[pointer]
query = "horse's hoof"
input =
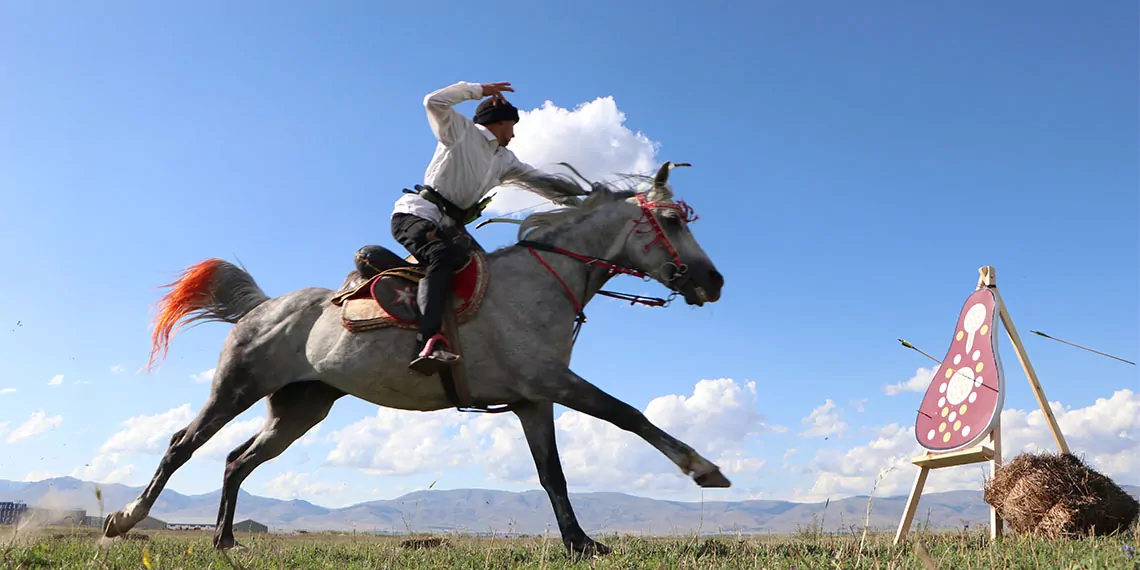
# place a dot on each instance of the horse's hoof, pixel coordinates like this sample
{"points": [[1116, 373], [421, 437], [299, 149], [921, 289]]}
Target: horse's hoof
{"points": [[111, 525], [588, 548], [713, 479], [229, 544]]}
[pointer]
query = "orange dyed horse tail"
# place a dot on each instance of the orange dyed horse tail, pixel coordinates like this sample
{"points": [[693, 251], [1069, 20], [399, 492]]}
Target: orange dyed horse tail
{"points": [[211, 290]]}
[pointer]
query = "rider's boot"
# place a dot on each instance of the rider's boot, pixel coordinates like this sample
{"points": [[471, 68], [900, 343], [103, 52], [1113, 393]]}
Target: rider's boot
{"points": [[433, 356], [432, 348]]}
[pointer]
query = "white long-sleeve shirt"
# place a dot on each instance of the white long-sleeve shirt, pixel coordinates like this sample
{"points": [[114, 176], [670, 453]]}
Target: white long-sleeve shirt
{"points": [[468, 160]]}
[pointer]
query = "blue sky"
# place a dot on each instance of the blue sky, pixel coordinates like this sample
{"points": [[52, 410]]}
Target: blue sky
{"points": [[853, 167]]}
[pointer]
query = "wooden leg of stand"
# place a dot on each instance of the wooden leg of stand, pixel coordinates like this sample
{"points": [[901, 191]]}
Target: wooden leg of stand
{"points": [[912, 503], [995, 464]]}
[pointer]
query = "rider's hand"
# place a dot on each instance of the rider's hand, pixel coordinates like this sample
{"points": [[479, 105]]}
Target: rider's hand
{"points": [[496, 89]]}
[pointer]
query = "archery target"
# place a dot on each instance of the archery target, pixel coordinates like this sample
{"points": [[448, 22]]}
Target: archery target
{"points": [[964, 398]]}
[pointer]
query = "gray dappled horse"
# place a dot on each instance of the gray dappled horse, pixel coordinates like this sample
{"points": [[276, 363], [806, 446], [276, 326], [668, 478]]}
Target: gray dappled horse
{"points": [[516, 348]]}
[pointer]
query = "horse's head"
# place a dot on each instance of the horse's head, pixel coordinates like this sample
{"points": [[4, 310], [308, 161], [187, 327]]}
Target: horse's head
{"points": [[660, 243]]}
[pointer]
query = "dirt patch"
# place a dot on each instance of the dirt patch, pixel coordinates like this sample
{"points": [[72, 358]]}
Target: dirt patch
{"points": [[425, 542]]}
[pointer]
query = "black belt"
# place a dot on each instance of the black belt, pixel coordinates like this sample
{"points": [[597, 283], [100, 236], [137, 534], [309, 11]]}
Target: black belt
{"points": [[459, 215]]}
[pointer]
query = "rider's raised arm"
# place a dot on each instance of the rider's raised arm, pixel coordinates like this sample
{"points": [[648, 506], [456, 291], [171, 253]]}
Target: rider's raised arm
{"points": [[520, 171], [447, 124]]}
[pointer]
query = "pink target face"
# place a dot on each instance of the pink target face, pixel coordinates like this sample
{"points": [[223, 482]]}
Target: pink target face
{"points": [[964, 398]]}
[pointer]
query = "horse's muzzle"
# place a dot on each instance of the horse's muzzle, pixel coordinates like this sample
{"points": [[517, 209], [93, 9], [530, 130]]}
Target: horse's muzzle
{"points": [[700, 285]]}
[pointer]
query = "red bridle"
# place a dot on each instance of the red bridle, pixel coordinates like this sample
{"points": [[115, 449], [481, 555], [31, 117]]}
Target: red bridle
{"points": [[647, 218]]}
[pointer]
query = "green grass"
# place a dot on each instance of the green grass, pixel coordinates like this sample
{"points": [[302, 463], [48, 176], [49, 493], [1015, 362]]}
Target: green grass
{"points": [[80, 548]]}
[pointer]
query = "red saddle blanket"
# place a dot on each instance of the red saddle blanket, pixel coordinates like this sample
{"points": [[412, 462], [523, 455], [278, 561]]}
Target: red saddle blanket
{"points": [[389, 299]]}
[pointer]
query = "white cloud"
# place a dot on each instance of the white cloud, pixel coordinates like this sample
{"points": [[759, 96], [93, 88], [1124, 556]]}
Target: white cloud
{"points": [[204, 377], [313, 436], [37, 475], [228, 438], [104, 468], [917, 383], [1106, 434], [592, 138], [38, 423], [56, 380], [717, 419], [855, 471], [148, 434], [117, 369], [859, 405], [825, 421], [292, 485], [395, 442], [140, 434], [7, 391]]}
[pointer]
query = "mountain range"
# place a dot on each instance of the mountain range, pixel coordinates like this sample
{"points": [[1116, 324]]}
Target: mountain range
{"points": [[481, 511]]}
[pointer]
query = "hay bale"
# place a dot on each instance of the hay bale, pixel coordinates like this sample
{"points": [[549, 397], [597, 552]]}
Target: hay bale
{"points": [[1057, 495]]}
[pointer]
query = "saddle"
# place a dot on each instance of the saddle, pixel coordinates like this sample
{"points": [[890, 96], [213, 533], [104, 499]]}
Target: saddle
{"points": [[384, 291], [388, 293]]}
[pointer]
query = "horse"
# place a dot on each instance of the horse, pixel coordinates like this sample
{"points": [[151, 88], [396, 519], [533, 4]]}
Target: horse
{"points": [[295, 350]]}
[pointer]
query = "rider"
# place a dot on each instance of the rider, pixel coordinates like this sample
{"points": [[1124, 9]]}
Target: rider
{"points": [[470, 159]]}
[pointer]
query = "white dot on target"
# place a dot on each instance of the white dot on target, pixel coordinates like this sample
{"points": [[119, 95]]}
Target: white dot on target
{"points": [[966, 431], [977, 354], [973, 396], [930, 434]]}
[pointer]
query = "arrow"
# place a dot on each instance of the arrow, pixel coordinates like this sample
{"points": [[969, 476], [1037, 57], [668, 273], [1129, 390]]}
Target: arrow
{"points": [[1082, 347], [913, 347]]}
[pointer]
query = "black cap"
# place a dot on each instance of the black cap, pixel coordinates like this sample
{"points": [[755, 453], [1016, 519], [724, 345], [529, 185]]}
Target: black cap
{"points": [[493, 111]]}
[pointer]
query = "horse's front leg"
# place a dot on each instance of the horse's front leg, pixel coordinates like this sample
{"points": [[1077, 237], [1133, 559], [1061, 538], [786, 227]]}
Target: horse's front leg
{"points": [[574, 392], [537, 420]]}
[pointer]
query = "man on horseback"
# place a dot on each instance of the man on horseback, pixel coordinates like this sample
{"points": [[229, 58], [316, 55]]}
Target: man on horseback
{"points": [[470, 159]]}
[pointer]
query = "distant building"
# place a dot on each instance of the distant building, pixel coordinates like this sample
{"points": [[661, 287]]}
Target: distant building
{"points": [[12, 511], [250, 525], [190, 526]]}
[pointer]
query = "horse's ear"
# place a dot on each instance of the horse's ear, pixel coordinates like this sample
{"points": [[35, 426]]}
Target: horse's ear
{"points": [[660, 191], [662, 175]]}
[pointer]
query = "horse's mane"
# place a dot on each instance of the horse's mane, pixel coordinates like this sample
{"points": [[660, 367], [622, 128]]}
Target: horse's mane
{"points": [[559, 186]]}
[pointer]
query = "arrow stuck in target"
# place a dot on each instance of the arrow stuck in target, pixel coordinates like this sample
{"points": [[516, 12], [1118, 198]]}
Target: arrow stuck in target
{"points": [[915, 348]]}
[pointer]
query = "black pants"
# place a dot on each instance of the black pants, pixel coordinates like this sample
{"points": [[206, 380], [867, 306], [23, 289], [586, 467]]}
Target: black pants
{"points": [[421, 238]]}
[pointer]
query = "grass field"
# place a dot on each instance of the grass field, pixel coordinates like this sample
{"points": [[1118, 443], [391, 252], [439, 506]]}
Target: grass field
{"points": [[80, 548]]}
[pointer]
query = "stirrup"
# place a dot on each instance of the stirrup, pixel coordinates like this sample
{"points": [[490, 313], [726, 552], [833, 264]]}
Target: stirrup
{"points": [[431, 360]]}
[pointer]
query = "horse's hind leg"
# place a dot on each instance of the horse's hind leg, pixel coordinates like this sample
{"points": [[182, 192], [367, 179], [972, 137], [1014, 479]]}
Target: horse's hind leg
{"points": [[233, 393], [292, 411], [576, 393]]}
